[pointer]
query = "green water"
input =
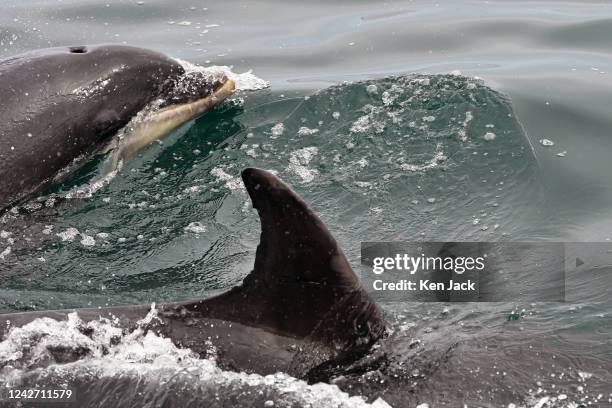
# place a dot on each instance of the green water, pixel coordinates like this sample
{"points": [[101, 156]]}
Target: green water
{"points": [[411, 157]]}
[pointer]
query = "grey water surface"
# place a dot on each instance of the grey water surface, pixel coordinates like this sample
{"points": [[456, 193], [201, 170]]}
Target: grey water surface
{"points": [[398, 120]]}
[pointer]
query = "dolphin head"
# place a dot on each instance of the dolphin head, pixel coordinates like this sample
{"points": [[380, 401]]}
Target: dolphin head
{"points": [[96, 88], [64, 103]]}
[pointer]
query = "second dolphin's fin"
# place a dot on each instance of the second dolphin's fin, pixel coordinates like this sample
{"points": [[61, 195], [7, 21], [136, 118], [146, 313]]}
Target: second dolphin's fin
{"points": [[302, 285]]}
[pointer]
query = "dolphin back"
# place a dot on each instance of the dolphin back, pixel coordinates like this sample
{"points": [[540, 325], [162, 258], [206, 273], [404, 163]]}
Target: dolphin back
{"points": [[302, 286]]}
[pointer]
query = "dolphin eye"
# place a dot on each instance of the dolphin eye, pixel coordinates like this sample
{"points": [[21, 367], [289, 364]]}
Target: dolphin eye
{"points": [[78, 50]]}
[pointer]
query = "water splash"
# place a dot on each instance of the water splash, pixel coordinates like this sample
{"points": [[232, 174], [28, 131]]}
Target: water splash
{"points": [[246, 81], [107, 353]]}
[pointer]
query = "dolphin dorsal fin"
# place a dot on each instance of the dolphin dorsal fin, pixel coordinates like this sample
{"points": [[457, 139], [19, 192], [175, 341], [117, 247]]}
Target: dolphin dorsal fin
{"points": [[302, 284]]}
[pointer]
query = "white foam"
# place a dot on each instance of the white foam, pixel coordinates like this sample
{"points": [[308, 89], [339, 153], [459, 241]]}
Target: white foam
{"points": [[88, 190], [435, 161], [542, 402], [252, 151], [364, 184], [245, 81], [152, 316], [192, 189], [368, 121], [489, 136], [196, 228], [87, 240], [547, 142], [69, 234], [107, 351], [466, 122], [5, 253], [305, 131], [33, 343], [363, 162], [231, 182], [299, 161], [277, 130], [361, 125]]}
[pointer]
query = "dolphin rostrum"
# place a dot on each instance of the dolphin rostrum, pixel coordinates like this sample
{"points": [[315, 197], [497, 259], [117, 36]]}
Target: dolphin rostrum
{"points": [[301, 307], [61, 105]]}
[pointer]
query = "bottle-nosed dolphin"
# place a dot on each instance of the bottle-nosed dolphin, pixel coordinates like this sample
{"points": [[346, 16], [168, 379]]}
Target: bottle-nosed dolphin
{"points": [[300, 308], [60, 104]]}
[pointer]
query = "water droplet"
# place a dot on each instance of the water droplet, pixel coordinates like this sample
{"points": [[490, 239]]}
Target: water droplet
{"points": [[547, 142]]}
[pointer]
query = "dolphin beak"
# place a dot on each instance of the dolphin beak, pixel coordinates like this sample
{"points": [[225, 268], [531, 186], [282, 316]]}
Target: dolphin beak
{"points": [[224, 91]]}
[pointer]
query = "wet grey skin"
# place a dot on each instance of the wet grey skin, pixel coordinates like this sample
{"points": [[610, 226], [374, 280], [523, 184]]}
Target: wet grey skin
{"points": [[62, 105], [302, 307]]}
